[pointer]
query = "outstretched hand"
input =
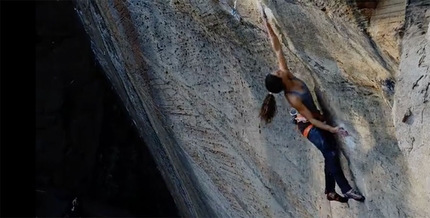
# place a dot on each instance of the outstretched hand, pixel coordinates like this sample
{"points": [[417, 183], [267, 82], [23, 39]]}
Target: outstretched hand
{"points": [[340, 130]]}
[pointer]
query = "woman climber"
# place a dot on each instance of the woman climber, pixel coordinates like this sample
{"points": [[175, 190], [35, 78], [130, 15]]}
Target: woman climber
{"points": [[308, 118]]}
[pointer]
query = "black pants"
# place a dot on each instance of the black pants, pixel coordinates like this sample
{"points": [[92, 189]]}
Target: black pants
{"points": [[324, 141]]}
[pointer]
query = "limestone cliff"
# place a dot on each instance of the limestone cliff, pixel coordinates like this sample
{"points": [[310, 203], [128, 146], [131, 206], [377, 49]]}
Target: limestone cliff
{"points": [[411, 110], [191, 75]]}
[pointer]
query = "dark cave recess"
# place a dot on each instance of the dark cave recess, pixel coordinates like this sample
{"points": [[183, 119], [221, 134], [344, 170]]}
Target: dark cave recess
{"points": [[86, 145]]}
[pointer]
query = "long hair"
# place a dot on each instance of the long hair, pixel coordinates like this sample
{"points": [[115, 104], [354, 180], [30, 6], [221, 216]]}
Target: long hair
{"points": [[268, 108]]}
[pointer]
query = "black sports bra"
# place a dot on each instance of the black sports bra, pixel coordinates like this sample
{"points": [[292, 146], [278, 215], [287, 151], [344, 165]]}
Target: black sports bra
{"points": [[306, 97]]}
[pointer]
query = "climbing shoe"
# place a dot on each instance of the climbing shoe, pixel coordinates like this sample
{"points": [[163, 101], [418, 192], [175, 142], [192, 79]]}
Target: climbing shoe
{"points": [[354, 194], [333, 196]]}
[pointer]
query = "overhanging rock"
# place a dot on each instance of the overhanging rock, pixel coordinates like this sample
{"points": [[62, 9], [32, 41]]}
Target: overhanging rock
{"points": [[192, 77]]}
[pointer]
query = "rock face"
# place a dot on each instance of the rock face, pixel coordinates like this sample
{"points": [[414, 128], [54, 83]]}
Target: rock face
{"points": [[386, 26], [191, 76], [412, 99]]}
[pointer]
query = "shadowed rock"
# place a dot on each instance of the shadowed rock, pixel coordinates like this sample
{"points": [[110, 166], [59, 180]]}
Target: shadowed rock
{"points": [[191, 76]]}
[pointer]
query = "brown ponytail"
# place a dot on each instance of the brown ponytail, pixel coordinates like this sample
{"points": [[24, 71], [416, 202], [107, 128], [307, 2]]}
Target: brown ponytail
{"points": [[268, 109]]}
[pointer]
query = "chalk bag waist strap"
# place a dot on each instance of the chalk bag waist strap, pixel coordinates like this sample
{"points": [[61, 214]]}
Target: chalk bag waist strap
{"points": [[307, 130]]}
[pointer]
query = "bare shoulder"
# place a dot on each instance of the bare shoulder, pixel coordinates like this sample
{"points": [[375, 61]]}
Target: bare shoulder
{"points": [[285, 75]]}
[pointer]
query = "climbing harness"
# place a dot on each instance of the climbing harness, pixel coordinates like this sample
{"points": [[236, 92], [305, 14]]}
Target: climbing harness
{"points": [[297, 117], [293, 112], [307, 130], [300, 118]]}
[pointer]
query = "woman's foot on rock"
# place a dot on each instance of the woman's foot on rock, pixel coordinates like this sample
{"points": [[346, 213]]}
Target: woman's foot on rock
{"points": [[354, 194], [333, 196]]}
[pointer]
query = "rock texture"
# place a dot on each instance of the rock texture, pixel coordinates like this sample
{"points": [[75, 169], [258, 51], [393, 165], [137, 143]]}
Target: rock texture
{"points": [[412, 101], [191, 76], [386, 26]]}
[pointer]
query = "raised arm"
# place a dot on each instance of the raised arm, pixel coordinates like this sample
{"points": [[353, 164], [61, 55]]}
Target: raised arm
{"points": [[276, 45]]}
